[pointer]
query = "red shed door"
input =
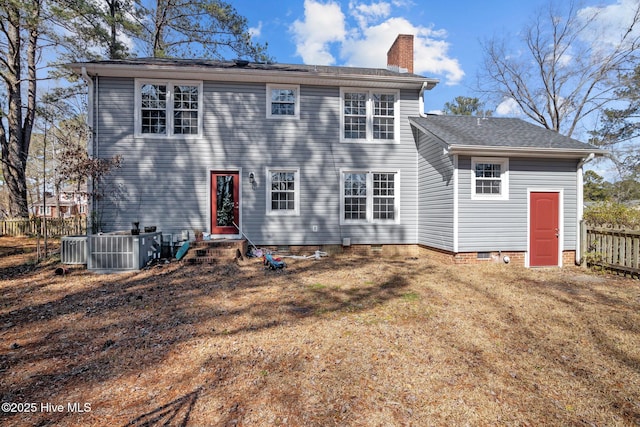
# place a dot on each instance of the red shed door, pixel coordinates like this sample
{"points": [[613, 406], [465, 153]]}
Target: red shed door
{"points": [[544, 232], [225, 202]]}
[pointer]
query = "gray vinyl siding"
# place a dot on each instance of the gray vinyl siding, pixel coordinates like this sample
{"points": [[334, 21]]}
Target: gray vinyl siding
{"points": [[165, 181], [492, 225], [435, 195]]}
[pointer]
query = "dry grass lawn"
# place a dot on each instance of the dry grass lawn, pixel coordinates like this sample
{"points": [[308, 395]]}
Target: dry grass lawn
{"points": [[348, 341]]}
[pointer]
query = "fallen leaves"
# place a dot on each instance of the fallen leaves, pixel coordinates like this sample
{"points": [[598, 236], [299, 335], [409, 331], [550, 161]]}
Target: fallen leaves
{"points": [[341, 340]]}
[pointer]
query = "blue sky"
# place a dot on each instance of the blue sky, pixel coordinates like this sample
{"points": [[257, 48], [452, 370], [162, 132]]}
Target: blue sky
{"points": [[359, 33]]}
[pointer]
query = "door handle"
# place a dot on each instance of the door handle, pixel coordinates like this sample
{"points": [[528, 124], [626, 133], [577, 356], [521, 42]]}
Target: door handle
{"points": [[557, 233]]}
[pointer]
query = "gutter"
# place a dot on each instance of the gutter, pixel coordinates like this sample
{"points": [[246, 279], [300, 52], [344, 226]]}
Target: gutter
{"points": [[557, 153], [255, 76]]}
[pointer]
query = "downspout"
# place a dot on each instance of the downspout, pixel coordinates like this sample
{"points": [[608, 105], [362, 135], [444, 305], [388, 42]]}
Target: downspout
{"points": [[427, 85], [580, 205], [421, 100], [89, 82], [90, 142]]}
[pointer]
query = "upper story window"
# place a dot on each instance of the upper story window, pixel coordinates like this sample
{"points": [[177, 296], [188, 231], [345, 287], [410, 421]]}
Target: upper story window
{"points": [[165, 108], [283, 192], [489, 178], [369, 115], [283, 101], [369, 197]]}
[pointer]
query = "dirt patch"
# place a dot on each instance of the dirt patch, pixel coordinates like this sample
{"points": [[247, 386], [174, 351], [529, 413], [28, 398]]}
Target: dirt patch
{"points": [[338, 341]]}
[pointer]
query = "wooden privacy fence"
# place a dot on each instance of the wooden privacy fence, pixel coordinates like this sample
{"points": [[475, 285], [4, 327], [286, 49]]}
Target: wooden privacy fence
{"points": [[612, 247], [34, 226]]}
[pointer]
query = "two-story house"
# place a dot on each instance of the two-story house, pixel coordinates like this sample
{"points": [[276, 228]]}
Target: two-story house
{"points": [[68, 204], [318, 155]]}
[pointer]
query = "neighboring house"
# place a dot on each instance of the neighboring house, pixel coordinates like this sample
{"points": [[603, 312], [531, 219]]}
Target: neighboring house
{"points": [[315, 155], [70, 204]]}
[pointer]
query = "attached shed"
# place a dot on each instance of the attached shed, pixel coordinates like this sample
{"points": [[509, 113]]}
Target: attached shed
{"points": [[496, 187]]}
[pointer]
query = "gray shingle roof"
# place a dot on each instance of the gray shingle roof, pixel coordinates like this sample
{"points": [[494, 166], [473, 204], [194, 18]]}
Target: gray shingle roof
{"points": [[496, 132], [246, 65]]}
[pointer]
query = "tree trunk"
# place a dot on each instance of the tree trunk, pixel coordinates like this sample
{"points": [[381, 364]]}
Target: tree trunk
{"points": [[16, 138]]}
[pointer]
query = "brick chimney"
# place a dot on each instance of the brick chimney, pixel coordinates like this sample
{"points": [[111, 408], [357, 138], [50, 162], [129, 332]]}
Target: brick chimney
{"points": [[400, 56]]}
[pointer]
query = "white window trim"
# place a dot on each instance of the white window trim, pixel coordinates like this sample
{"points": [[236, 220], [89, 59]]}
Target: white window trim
{"points": [[170, 85], [296, 192], [369, 139], [504, 178], [296, 115], [369, 217]]}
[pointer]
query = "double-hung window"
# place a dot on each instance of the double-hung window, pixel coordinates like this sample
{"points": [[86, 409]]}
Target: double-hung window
{"points": [[355, 196], [283, 101], [369, 196], [166, 108], [369, 115], [283, 192], [489, 178]]}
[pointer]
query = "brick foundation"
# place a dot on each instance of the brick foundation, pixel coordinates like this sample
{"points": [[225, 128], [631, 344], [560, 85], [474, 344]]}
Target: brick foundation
{"points": [[568, 258], [361, 250], [445, 257], [515, 258]]}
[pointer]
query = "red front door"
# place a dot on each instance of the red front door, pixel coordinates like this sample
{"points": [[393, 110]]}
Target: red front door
{"points": [[544, 232], [225, 202]]}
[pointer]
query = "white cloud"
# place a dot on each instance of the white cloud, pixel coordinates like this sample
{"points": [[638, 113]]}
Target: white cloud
{"points": [[323, 24], [365, 43], [431, 56], [611, 22], [367, 13], [508, 107], [368, 48], [255, 32]]}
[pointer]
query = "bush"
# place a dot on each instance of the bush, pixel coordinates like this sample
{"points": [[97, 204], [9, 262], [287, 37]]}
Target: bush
{"points": [[612, 213]]}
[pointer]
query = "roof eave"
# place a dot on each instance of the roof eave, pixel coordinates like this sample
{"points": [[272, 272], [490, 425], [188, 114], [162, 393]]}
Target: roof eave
{"points": [[556, 153], [152, 71]]}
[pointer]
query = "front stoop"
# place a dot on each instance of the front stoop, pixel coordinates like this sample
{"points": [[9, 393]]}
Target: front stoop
{"points": [[213, 251]]}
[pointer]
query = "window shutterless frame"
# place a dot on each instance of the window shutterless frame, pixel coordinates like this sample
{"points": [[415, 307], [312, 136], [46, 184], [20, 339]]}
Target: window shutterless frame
{"points": [[369, 116], [489, 178], [282, 191], [168, 108], [369, 197], [283, 101]]}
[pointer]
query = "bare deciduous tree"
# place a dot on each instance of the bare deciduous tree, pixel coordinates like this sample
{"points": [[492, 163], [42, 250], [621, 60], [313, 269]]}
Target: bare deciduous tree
{"points": [[568, 68], [619, 129]]}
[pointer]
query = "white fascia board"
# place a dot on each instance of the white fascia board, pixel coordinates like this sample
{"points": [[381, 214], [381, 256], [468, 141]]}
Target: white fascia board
{"points": [[253, 76], [557, 153]]}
